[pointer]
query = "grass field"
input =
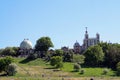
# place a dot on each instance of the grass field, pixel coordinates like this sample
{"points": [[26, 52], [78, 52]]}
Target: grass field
{"points": [[41, 70]]}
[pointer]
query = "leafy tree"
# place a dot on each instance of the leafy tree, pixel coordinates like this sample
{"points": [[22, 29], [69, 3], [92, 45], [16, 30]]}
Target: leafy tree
{"points": [[56, 61], [94, 56], [105, 47], [58, 52], [68, 56], [43, 44], [10, 51], [118, 68], [113, 56], [1, 50], [78, 58]]}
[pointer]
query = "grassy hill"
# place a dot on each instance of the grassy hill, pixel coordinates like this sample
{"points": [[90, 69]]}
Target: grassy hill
{"points": [[41, 70]]}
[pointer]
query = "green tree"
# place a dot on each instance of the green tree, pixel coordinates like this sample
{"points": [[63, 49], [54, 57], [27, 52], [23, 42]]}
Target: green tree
{"points": [[1, 50], [94, 56], [58, 52], [43, 44], [105, 47], [68, 56], [10, 51], [118, 68], [78, 58], [112, 54], [112, 57]]}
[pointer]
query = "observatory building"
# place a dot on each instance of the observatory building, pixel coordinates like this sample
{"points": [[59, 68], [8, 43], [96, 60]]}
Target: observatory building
{"points": [[25, 48], [26, 44], [87, 42]]}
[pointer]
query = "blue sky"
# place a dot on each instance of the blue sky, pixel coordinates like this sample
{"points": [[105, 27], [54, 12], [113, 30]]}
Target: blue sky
{"points": [[64, 21]]}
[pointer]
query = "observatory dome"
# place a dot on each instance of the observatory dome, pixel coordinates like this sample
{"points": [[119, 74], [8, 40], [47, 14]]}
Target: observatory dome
{"points": [[26, 44]]}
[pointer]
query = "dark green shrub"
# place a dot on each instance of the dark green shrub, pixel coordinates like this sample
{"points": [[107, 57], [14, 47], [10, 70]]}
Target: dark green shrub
{"points": [[11, 69], [105, 71], [56, 61], [82, 71], [4, 62], [60, 65], [77, 67], [32, 56], [118, 68]]}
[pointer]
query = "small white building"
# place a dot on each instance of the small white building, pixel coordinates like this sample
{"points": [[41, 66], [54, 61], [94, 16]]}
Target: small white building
{"points": [[25, 48], [26, 44]]}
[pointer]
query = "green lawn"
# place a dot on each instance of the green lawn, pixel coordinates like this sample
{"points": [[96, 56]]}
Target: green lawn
{"points": [[97, 72], [33, 70]]}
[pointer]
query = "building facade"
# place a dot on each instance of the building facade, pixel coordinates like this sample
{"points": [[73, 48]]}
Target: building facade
{"points": [[87, 42], [77, 47]]}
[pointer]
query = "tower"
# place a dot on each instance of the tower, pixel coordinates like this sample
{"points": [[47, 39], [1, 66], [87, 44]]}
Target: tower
{"points": [[86, 33], [98, 37], [86, 39]]}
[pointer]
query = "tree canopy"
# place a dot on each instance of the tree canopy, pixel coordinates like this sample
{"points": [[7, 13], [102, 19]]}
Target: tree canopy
{"points": [[78, 58], [43, 44], [94, 56], [10, 51]]}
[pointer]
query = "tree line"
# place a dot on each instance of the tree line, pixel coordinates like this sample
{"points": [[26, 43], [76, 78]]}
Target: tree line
{"points": [[101, 55]]}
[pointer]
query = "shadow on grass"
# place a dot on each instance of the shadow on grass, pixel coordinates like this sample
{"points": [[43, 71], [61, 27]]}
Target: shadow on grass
{"points": [[50, 68], [53, 69], [26, 61], [74, 71], [3, 75]]}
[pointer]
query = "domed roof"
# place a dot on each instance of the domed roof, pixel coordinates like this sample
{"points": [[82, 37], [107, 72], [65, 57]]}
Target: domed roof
{"points": [[26, 44], [76, 44]]}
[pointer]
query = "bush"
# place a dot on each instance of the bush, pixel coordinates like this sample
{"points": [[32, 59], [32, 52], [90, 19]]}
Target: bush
{"points": [[56, 61], [76, 67], [32, 56], [118, 68], [60, 65], [105, 71], [11, 69], [82, 71], [4, 62]]}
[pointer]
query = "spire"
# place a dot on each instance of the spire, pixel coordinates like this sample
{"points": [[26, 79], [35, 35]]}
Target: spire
{"points": [[86, 33], [86, 29]]}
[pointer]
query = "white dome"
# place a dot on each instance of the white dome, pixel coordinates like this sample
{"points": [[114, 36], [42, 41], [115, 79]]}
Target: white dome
{"points": [[26, 44]]}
